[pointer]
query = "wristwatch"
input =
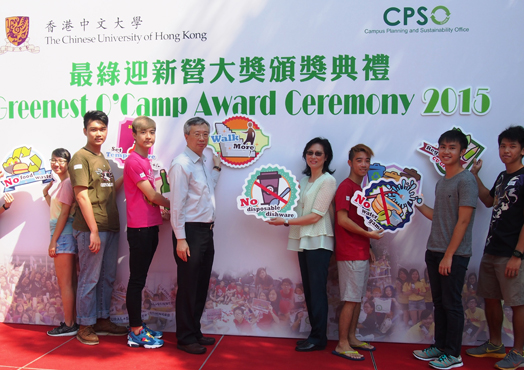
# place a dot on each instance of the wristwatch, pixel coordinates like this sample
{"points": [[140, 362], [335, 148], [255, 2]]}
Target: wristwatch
{"points": [[286, 223], [518, 254], [217, 168]]}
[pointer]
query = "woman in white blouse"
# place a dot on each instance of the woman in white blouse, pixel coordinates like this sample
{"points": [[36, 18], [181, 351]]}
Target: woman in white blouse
{"points": [[311, 235]]}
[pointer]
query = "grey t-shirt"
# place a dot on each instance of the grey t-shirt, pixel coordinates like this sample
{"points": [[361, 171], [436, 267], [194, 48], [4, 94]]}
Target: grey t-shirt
{"points": [[450, 194]]}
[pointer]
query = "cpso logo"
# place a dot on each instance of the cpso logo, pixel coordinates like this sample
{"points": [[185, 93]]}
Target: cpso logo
{"points": [[394, 16]]}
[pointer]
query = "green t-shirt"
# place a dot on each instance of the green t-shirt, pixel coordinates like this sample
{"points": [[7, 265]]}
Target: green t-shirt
{"points": [[93, 172]]}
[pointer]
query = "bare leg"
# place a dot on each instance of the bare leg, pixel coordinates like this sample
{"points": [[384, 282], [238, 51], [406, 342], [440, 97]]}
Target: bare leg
{"points": [[65, 270], [518, 327], [405, 316], [347, 326], [413, 316], [494, 317], [353, 328]]}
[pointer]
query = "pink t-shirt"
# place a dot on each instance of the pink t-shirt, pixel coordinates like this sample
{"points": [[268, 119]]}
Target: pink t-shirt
{"points": [[61, 192], [140, 211]]}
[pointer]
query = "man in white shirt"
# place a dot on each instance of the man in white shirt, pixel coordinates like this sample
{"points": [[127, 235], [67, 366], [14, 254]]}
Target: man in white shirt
{"points": [[192, 201]]}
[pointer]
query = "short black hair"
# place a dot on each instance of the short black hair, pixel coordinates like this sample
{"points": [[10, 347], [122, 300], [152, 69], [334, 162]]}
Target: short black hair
{"points": [[327, 151], [513, 133], [238, 308], [62, 153], [454, 136], [95, 115]]}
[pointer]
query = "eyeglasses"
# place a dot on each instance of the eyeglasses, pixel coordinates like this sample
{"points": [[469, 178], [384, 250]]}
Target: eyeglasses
{"points": [[199, 135], [311, 153], [59, 161]]}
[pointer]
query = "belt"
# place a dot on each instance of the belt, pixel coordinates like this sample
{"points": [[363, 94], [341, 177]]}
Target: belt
{"points": [[206, 225]]}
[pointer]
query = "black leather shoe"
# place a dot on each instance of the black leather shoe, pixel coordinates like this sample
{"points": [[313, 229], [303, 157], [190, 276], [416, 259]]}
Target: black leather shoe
{"points": [[301, 341], [193, 348], [308, 347], [206, 341]]}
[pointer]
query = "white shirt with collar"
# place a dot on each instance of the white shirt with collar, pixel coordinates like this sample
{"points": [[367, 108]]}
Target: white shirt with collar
{"points": [[192, 195]]}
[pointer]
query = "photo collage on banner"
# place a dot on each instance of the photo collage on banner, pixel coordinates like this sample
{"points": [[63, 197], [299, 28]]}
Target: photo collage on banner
{"points": [[268, 78]]}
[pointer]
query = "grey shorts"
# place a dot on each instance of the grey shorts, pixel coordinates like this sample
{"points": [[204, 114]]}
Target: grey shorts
{"points": [[352, 279], [494, 285]]}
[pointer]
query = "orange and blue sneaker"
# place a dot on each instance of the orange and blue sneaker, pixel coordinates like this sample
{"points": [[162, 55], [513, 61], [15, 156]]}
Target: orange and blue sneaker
{"points": [[512, 361], [487, 349], [143, 339], [155, 333]]}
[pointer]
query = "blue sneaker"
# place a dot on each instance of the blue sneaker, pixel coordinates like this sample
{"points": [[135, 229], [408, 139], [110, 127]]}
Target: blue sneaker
{"points": [[446, 362], [144, 339], [428, 354], [155, 333]]}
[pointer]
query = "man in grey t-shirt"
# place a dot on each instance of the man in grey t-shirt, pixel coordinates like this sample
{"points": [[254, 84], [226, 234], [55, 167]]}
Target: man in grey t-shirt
{"points": [[449, 250]]}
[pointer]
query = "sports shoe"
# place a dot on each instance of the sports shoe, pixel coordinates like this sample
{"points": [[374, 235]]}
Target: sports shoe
{"points": [[143, 339], [512, 361], [446, 362], [107, 327], [428, 354], [154, 333], [487, 349], [64, 331], [87, 335]]}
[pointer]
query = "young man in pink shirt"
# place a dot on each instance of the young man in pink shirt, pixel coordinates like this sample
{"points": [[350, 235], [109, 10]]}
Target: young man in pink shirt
{"points": [[143, 218]]}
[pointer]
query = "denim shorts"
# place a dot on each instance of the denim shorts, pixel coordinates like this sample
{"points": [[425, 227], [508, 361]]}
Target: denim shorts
{"points": [[66, 244]]}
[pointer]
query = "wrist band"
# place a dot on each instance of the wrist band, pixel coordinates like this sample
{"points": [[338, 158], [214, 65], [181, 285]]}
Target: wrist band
{"points": [[218, 168], [4, 207]]}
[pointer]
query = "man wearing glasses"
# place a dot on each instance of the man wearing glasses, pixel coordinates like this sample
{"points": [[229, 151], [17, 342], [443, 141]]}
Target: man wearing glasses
{"points": [[192, 201]]}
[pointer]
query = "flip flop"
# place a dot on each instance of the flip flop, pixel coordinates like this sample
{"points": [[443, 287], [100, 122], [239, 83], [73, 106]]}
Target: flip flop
{"points": [[345, 354], [363, 348]]}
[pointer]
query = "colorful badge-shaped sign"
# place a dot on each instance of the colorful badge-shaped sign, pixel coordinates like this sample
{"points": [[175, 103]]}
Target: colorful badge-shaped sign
{"points": [[23, 166], [269, 191], [473, 151], [388, 196], [126, 145], [239, 141]]}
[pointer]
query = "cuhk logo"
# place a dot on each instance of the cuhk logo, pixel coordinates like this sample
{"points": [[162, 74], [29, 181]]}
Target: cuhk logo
{"points": [[17, 32]]}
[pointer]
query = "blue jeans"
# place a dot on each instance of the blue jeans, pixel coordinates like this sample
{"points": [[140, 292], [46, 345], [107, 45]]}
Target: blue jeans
{"points": [[96, 278], [447, 300]]}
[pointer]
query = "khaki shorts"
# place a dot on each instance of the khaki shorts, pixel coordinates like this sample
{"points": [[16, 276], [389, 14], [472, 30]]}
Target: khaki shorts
{"points": [[352, 279], [494, 285]]}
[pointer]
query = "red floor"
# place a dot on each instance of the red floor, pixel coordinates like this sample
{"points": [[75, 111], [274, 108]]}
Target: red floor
{"points": [[28, 347]]}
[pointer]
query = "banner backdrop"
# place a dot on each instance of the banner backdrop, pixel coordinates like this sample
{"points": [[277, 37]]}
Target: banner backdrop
{"points": [[392, 75]]}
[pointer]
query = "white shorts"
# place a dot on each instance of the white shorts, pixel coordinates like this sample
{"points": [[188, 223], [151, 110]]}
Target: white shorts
{"points": [[352, 279]]}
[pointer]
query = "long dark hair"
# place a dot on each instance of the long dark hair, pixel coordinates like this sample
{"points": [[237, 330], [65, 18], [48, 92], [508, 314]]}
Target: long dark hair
{"points": [[410, 275], [328, 152], [405, 271]]}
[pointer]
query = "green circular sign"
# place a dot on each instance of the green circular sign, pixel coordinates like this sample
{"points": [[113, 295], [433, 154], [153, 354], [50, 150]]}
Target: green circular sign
{"points": [[434, 18]]}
